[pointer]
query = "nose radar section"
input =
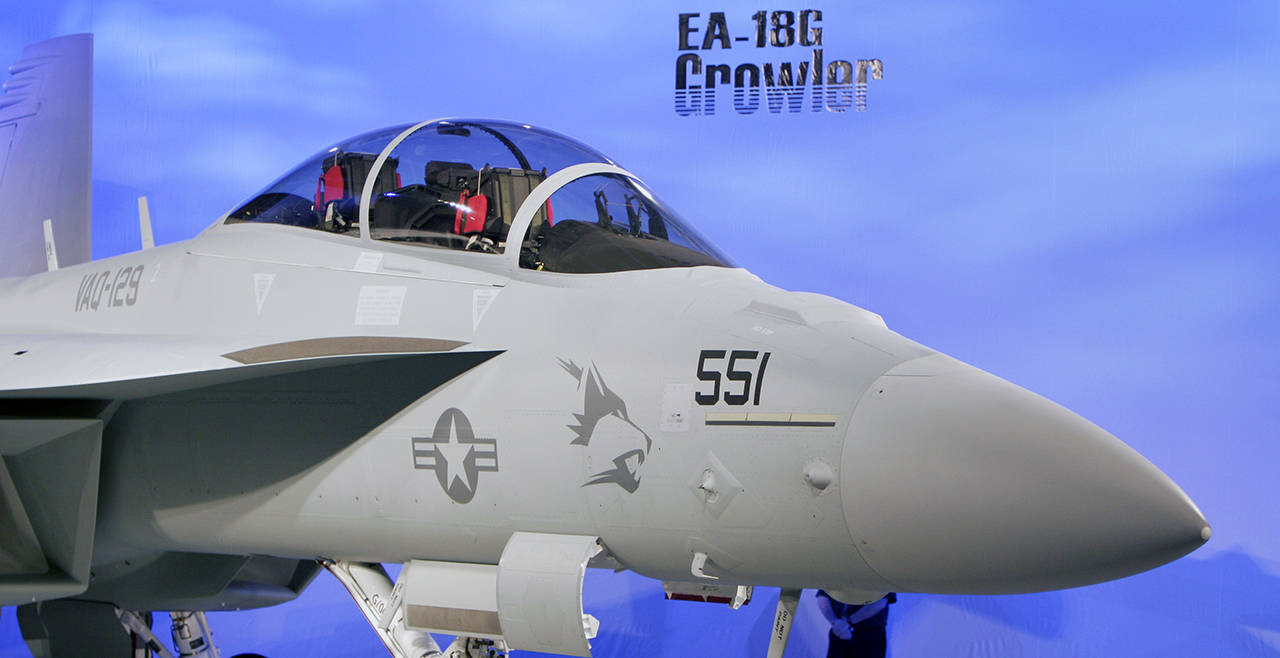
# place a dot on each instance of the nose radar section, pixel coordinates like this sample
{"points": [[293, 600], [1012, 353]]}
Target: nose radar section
{"points": [[957, 481]]}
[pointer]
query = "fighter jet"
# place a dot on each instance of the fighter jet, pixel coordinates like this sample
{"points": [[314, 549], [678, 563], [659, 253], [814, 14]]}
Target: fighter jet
{"points": [[488, 353]]}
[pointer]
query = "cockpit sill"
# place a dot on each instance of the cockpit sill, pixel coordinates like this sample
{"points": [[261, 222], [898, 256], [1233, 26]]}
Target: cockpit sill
{"points": [[283, 245]]}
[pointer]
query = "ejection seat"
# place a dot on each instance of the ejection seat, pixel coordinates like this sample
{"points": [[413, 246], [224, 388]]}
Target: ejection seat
{"points": [[342, 181], [456, 206], [426, 212]]}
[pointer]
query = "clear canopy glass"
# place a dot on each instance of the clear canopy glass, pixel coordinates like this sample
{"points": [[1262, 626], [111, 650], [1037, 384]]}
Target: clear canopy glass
{"points": [[317, 194], [464, 180], [611, 223], [458, 184]]}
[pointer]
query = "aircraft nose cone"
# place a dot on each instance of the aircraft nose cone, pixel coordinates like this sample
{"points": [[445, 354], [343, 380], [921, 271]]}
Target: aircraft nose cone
{"points": [[955, 480]]}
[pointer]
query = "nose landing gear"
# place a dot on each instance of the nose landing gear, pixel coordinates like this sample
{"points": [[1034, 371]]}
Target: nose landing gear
{"points": [[190, 630]]}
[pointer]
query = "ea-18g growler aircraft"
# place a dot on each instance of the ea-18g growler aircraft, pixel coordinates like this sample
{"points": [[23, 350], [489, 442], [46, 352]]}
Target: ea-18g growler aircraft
{"points": [[490, 354]]}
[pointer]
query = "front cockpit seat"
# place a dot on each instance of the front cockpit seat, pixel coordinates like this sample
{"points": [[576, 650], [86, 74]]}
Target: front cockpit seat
{"points": [[342, 181], [425, 212], [502, 191], [457, 206], [455, 184]]}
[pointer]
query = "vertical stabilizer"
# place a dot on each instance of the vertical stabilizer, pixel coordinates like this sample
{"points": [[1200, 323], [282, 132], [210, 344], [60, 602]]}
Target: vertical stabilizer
{"points": [[46, 134]]}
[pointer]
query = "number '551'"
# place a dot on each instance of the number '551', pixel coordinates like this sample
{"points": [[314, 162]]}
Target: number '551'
{"points": [[741, 368]]}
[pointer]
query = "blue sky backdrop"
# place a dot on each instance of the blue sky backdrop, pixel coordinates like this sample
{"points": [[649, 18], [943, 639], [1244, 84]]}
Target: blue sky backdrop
{"points": [[1079, 197]]}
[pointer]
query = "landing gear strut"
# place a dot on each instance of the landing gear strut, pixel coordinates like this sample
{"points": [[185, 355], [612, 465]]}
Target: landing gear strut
{"points": [[380, 601], [138, 625], [788, 601], [191, 635], [474, 647], [530, 600], [371, 588]]}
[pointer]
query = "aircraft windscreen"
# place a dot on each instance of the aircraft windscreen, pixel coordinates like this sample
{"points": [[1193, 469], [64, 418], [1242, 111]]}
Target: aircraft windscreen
{"points": [[610, 223]]}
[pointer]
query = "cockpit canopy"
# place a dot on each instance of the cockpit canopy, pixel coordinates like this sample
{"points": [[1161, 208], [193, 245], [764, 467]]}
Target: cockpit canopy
{"points": [[458, 184]]}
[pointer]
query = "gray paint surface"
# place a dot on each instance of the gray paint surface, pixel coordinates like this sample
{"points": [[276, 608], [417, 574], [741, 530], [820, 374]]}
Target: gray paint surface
{"points": [[942, 478]]}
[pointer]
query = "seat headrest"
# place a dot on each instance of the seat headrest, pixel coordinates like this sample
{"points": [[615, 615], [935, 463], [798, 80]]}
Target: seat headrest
{"points": [[448, 175]]}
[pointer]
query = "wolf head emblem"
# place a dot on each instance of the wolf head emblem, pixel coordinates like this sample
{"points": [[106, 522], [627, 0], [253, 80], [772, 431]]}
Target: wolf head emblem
{"points": [[605, 429]]}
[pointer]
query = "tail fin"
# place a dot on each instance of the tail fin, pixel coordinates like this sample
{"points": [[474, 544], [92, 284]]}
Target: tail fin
{"points": [[46, 135]]}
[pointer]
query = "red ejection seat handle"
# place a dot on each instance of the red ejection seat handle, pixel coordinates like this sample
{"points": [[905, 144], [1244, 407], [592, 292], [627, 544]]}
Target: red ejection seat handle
{"points": [[479, 205], [470, 220], [329, 187], [457, 213]]}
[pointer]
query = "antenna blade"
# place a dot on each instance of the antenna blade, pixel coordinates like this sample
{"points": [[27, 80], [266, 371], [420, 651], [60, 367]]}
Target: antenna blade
{"points": [[144, 223], [50, 251]]}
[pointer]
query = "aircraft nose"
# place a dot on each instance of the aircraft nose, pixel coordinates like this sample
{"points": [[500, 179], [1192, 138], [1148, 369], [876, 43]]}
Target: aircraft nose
{"points": [[958, 481]]}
